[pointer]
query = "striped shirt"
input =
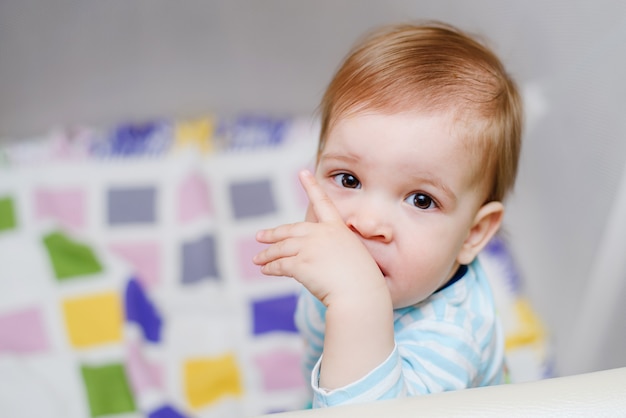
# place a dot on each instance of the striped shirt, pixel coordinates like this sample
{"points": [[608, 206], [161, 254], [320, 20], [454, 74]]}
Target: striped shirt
{"points": [[451, 340]]}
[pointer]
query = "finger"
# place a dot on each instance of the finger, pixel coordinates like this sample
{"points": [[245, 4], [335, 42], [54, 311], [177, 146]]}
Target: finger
{"points": [[280, 267], [323, 207], [282, 232], [281, 249], [310, 215]]}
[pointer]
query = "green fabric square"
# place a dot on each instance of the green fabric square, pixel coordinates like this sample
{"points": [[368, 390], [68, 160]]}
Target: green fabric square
{"points": [[7, 214], [70, 258], [108, 390]]}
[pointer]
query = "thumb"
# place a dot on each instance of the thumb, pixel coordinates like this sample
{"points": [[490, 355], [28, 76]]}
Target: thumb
{"points": [[310, 214]]}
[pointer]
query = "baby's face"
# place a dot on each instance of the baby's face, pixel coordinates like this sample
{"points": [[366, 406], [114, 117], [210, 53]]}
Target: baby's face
{"points": [[403, 184]]}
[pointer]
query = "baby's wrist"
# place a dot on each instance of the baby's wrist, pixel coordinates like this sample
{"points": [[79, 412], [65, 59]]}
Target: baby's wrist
{"points": [[361, 299]]}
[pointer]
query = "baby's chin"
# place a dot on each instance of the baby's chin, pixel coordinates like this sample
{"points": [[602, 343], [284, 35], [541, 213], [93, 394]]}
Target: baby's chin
{"points": [[400, 299]]}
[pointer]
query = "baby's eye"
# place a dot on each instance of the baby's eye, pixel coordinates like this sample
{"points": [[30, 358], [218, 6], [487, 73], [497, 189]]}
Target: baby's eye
{"points": [[421, 201], [347, 180]]}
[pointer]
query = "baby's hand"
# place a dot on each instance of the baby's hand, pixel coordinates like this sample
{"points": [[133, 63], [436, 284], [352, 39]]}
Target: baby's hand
{"points": [[325, 256]]}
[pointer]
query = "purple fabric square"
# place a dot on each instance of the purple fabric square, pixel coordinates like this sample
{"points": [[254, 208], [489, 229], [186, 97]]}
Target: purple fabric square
{"points": [[139, 309], [166, 412], [274, 314]]}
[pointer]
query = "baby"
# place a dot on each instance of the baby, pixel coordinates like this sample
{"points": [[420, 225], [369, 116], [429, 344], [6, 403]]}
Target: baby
{"points": [[419, 146]]}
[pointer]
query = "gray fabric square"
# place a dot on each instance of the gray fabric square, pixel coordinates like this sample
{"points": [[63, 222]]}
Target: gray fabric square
{"points": [[132, 205], [199, 260], [254, 198]]}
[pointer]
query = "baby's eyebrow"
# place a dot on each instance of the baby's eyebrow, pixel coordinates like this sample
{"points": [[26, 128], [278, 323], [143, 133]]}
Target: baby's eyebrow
{"points": [[346, 158]]}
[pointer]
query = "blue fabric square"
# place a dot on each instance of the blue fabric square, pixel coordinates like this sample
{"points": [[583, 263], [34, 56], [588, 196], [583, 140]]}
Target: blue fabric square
{"points": [[254, 198], [199, 260], [132, 205]]}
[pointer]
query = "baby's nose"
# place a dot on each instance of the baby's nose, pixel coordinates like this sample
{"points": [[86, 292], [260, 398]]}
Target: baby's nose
{"points": [[371, 223]]}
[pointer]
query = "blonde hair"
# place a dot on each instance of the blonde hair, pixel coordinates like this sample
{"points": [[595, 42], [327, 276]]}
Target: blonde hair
{"points": [[434, 67]]}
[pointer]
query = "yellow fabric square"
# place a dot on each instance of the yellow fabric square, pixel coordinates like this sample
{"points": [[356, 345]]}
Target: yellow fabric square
{"points": [[530, 329], [208, 379], [93, 320], [198, 133]]}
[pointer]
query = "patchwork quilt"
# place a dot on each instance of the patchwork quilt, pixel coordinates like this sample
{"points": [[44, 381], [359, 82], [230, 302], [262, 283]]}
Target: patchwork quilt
{"points": [[126, 282]]}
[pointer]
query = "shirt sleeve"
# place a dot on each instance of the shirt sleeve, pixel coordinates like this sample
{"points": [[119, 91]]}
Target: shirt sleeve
{"points": [[383, 382], [310, 320]]}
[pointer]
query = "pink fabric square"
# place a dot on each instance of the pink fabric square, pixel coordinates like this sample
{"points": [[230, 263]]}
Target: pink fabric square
{"points": [[67, 206], [280, 370], [246, 249], [144, 257], [143, 374], [23, 332], [193, 198]]}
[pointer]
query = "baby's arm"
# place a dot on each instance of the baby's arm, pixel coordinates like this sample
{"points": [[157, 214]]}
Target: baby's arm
{"points": [[331, 262], [432, 354]]}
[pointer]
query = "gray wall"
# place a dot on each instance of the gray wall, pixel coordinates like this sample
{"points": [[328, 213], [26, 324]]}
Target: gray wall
{"points": [[66, 62]]}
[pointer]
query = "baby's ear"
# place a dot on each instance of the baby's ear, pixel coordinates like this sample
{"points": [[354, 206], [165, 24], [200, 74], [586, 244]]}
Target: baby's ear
{"points": [[486, 224]]}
